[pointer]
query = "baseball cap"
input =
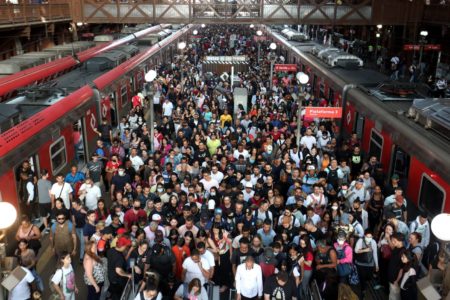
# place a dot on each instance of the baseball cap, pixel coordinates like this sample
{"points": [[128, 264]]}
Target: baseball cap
{"points": [[156, 217], [218, 211], [123, 241], [204, 216], [248, 185], [121, 231], [311, 167], [360, 180], [395, 177]]}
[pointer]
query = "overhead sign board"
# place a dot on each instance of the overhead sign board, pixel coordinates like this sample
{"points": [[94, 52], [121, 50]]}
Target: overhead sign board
{"points": [[427, 47], [323, 112], [285, 68]]}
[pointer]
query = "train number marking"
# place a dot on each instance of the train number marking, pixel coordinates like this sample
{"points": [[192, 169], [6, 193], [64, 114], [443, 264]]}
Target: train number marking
{"points": [[93, 122], [104, 110]]}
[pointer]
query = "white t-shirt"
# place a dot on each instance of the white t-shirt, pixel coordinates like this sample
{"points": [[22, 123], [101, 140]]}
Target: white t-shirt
{"points": [[193, 270], [209, 257], [308, 141], [207, 185], [62, 191], [22, 289], [93, 193], [65, 278], [136, 162], [244, 153], [167, 108], [218, 176]]}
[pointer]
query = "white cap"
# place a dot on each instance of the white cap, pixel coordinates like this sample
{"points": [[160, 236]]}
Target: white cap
{"points": [[311, 167], [248, 185], [211, 204], [156, 217]]}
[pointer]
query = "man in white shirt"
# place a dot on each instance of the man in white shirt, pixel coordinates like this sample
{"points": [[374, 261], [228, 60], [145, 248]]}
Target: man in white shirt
{"points": [[248, 278], [62, 190], [195, 266], [90, 193], [167, 108], [206, 254], [207, 181], [248, 192], [22, 289], [216, 174], [308, 140], [241, 151], [136, 160]]}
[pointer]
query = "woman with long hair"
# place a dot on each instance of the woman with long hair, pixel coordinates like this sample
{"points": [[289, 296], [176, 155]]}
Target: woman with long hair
{"points": [[64, 278], [189, 239], [407, 284], [220, 245], [94, 275], [101, 213]]}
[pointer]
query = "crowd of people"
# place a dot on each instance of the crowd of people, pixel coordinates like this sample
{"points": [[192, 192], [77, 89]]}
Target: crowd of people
{"points": [[225, 200]]}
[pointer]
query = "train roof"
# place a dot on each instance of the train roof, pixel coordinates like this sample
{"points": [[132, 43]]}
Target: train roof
{"points": [[376, 98]]}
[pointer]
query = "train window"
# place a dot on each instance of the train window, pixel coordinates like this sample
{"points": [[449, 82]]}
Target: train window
{"points": [[124, 95], [431, 197], [376, 144], [58, 157]]}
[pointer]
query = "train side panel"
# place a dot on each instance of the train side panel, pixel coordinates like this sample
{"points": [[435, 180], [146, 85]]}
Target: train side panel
{"points": [[8, 190], [427, 189]]}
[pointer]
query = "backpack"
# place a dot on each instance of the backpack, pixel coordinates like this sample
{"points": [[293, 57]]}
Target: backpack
{"points": [[267, 268], [257, 212], [332, 177], [430, 254]]}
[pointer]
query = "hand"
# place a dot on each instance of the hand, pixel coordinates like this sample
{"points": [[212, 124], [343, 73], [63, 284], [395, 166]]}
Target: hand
{"points": [[61, 297], [97, 289], [74, 252], [76, 290], [377, 269], [238, 297]]}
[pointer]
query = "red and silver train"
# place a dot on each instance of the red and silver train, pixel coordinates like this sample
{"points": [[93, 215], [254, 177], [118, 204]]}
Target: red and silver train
{"points": [[79, 99], [54, 69], [380, 118]]}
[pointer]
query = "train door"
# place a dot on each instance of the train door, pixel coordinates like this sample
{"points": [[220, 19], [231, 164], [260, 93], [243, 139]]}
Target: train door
{"points": [[400, 164], [80, 141], [33, 163]]}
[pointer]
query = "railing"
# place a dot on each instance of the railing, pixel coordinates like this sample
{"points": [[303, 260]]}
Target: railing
{"points": [[31, 13]]}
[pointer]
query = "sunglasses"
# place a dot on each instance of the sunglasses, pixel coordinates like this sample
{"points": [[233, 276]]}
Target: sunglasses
{"points": [[60, 219]]}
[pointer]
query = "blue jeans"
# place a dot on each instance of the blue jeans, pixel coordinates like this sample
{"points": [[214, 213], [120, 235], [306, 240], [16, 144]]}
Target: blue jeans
{"points": [[81, 238]]}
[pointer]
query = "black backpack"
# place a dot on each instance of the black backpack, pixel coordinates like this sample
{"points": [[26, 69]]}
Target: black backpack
{"points": [[332, 177]]}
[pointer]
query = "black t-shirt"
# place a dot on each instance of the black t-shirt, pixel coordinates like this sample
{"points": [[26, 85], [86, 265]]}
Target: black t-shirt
{"points": [[80, 218], [104, 131], [278, 292], [120, 181], [162, 263], [140, 259], [395, 264], [238, 257], [116, 260]]}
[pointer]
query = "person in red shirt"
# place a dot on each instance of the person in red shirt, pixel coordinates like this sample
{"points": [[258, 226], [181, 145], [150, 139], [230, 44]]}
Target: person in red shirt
{"points": [[181, 251], [133, 215]]}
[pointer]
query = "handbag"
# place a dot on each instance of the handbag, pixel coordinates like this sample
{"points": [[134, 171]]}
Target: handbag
{"points": [[344, 269], [353, 278], [35, 245]]}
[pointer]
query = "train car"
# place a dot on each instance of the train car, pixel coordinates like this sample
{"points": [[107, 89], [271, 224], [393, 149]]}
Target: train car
{"points": [[378, 113], [49, 71], [44, 134]]}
